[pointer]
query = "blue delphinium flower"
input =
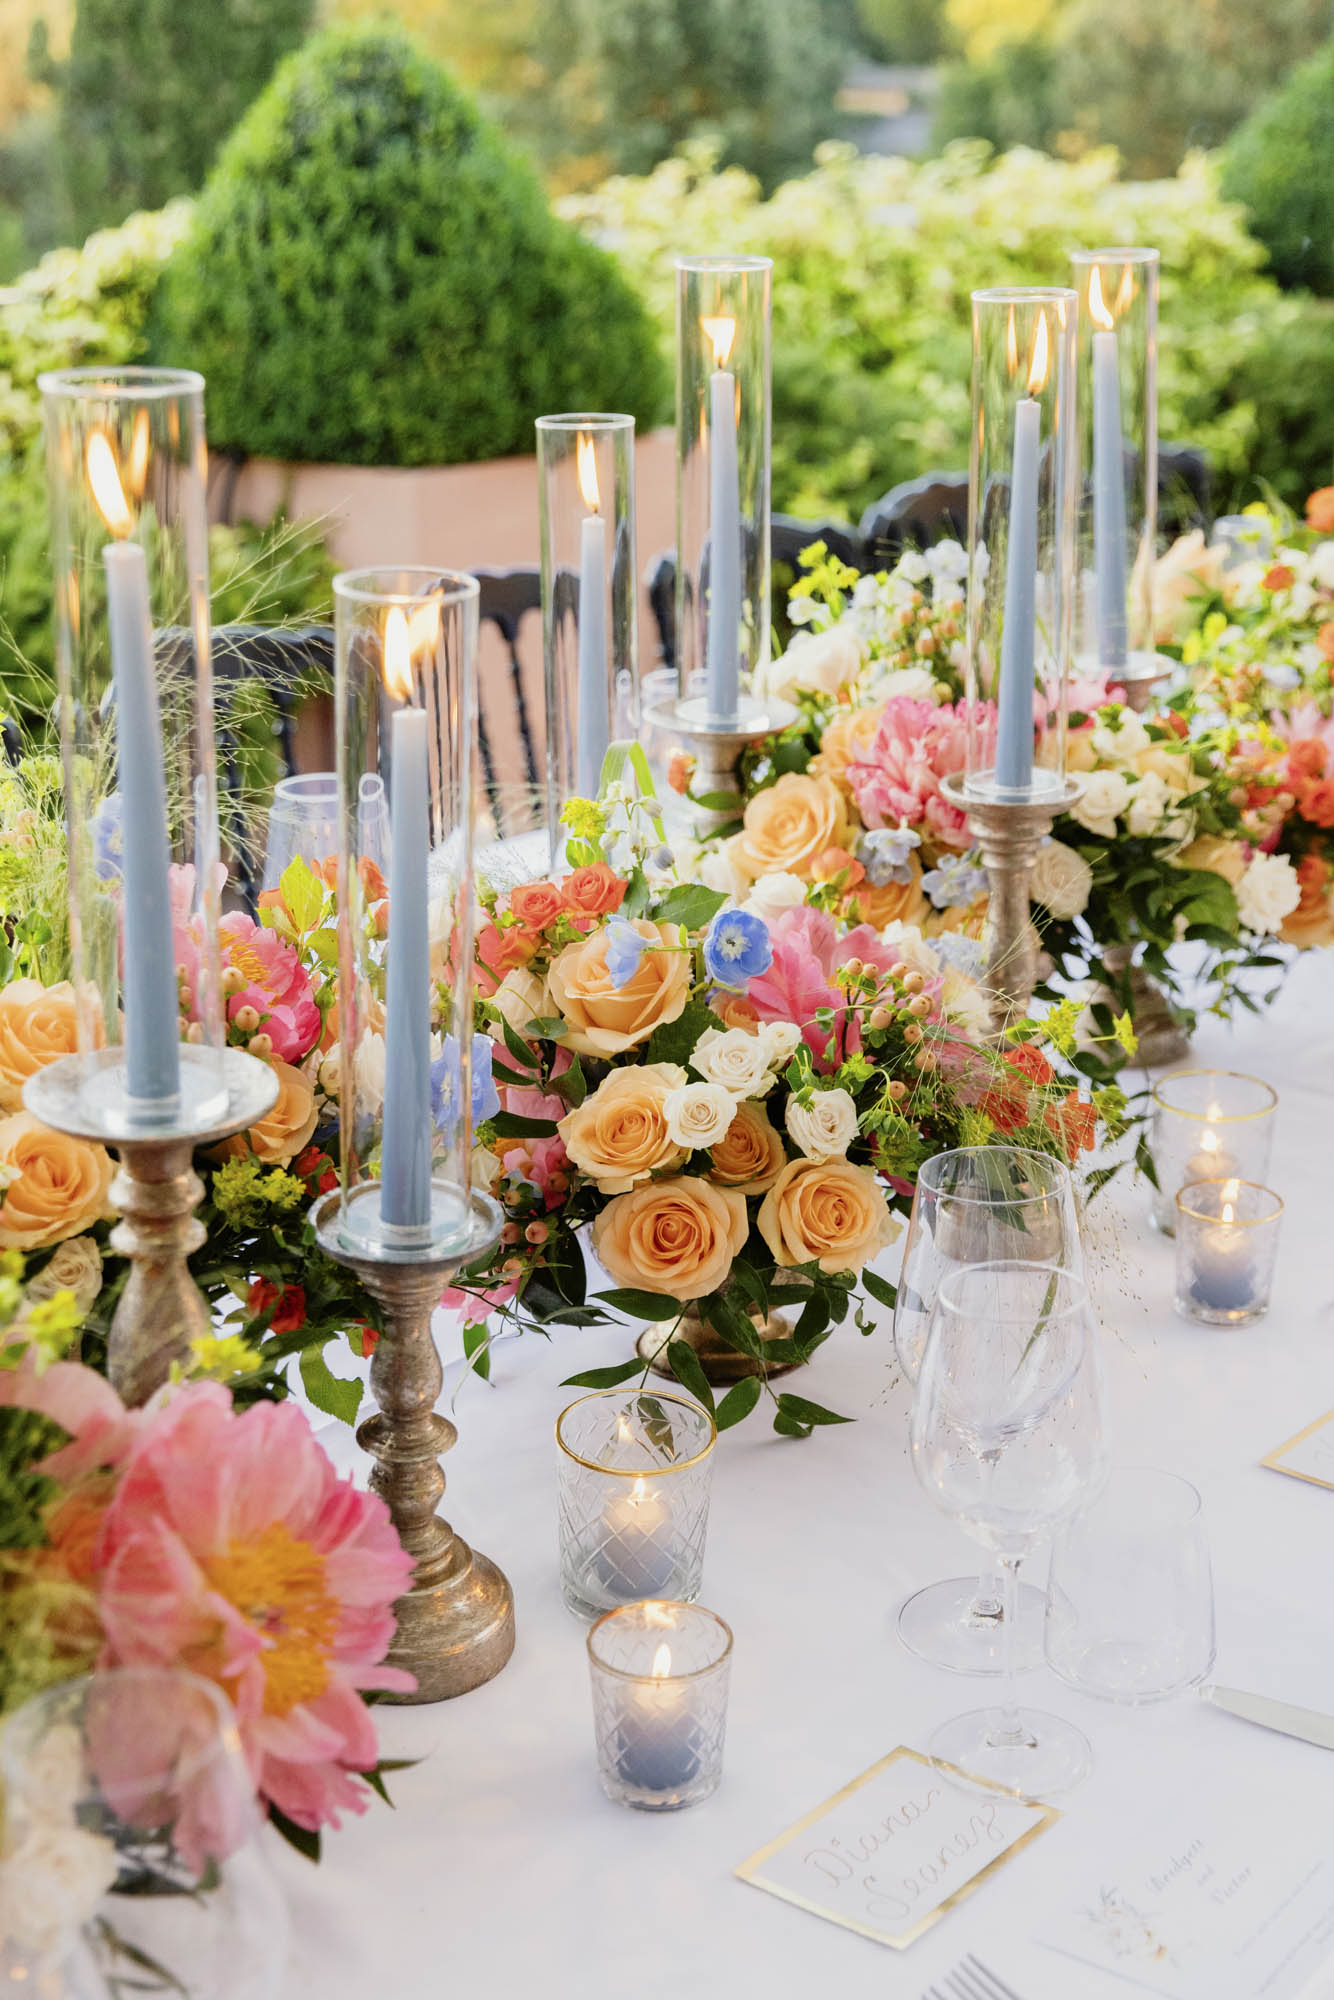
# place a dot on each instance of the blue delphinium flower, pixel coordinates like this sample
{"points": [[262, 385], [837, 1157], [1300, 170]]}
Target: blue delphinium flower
{"points": [[966, 954], [625, 948], [737, 948], [485, 1096], [108, 837], [884, 853], [447, 1086], [957, 882]]}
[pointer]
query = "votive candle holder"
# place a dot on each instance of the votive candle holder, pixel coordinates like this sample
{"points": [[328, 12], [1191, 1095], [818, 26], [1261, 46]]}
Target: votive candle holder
{"points": [[660, 1675], [635, 1469], [1227, 1247], [1208, 1124]]}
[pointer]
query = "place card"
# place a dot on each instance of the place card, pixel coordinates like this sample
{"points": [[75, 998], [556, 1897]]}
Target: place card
{"points": [[896, 1849], [1309, 1455]]}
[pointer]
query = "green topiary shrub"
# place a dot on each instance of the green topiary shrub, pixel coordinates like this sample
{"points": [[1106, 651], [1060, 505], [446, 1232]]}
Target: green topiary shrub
{"points": [[1281, 165], [373, 277]]}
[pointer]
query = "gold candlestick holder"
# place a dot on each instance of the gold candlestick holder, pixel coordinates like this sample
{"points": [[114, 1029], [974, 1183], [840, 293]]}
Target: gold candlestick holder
{"points": [[456, 1623], [1009, 833], [717, 743], [161, 1310]]}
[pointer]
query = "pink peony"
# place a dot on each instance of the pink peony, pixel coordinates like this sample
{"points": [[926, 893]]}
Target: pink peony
{"points": [[896, 779], [277, 986]]}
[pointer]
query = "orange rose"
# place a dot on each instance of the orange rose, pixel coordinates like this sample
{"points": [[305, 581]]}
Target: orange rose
{"points": [[38, 1024], [280, 1135], [896, 902], [60, 1185], [604, 1020], [1312, 922], [736, 1010], [827, 1212], [500, 951], [593, 892], [749, 1157], [618, 1136], [677, 1236], [1320, 510], [788, 826], [536, 904], [849, 734]]}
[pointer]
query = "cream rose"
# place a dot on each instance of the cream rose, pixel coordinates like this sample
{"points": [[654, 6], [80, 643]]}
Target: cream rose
{"points": [[521, 997], [1150, 803], [619, 1135], [57, 1186], [38, 1024], [1171, 762], [1268, 892], [1061, 880], [698, 1114], [1102, 797], [750, 1156], [605, 1020], [74, 1266], [1122, 744], [781, 1040], [678, 1236], [774, 894], [826, 1212], [824, 1128], [739, 1061], [1217, 855], [909, 683], [817, 663], [788, 826], [280, 1135]]}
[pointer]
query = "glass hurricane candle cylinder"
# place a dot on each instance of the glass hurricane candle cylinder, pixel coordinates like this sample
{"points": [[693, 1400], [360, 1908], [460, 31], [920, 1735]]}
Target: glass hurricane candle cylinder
{"points": [[1227, 1246], [1021, 519], [722, 479], [660, 1676], [1118, 430], [129, 540], [634, 1477], [1208, 1124], [411, 1076], [585, 468]]}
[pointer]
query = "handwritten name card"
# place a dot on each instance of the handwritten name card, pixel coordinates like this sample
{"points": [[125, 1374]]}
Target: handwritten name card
{"points": [[894, 1850], [1310, 1455]]}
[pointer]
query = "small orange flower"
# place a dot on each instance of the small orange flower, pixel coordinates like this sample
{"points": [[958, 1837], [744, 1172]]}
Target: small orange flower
{"points": [[1320, 510], [1279, 577], [1324, 638], [536, 904], [681, 771], [837, 861]]}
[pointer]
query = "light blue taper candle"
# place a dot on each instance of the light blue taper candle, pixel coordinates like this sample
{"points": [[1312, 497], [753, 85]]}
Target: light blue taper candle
{"points": [[1014, 697], [724, 628], [1109, 499], [405, 1151]]}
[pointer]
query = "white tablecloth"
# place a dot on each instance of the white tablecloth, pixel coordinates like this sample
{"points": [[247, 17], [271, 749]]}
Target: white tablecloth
{"points": [[503, 1870]]}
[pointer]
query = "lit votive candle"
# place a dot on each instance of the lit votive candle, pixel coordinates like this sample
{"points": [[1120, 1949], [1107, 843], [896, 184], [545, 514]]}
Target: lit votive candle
{"points": [[1227, 1245], [634, 1555], [1208, 1124], [634, 1475], [659, 1677]]}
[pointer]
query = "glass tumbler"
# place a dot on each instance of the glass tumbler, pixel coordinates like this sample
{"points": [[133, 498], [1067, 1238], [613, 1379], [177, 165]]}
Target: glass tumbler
{"points": [[1227, 1247], [1208, 1124], [303, 820], [660, 1675], [634, 1473], [1130, 1596]]}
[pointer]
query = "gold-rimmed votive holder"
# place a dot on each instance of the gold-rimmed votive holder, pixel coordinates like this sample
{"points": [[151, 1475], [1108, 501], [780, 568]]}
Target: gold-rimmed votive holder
{"points": [[1208, 1124], [660, 1673], [1227, 1247], [634, 1472]]}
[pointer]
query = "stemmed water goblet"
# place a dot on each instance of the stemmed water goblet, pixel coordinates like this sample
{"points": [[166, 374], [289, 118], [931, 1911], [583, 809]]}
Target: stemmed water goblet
{"points": [[977, 1205], [1007, 1439]]}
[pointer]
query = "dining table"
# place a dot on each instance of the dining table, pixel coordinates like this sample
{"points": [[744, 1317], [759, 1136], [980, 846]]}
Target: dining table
{"points": [[501, 1869]]}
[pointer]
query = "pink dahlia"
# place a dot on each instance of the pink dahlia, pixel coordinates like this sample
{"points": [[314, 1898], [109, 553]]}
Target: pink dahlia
{"points": [[896, 778], [277, 986]]}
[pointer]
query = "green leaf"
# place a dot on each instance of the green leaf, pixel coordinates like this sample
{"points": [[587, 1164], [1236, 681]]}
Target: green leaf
{"points": [[375, 1779], [324, 944], [641, 1305], [299, 1837], [571, 1086], [508, 1125], [690, 904], [303, 893], [805, 1412], [336, 1398], [477, 1341], [547, 1027], [685, 1365], [518, 1048], [604, 1378], [880, 1290], [674, 1041], [739, 1401], [718, 802]]}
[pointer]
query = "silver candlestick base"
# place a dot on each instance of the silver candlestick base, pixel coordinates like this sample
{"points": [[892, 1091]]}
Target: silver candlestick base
{"points": [[1009, 833], [161, 1310], [1142, 674], [717, 743], [455, 1625]]}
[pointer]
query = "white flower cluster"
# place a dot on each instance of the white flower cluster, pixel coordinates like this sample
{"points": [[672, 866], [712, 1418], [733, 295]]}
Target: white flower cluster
{"points": [[1144, 786], [1267, 892]]}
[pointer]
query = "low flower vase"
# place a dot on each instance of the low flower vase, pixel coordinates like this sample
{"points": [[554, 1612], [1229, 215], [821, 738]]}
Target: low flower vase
{"points": [[722, 1362], [1160, 1038]]}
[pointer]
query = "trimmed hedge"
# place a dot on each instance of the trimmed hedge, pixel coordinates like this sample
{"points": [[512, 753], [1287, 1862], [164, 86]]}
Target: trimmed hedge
{"points": [[373, 277], [1281, 165]]}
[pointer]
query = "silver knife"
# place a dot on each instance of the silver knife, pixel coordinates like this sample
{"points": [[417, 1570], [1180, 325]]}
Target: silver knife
{"points": [[1307, 1723]]}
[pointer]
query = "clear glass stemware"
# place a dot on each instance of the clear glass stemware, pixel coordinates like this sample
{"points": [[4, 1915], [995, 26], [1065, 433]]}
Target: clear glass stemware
{"points": [[977, 1205], [1007, 1439]]}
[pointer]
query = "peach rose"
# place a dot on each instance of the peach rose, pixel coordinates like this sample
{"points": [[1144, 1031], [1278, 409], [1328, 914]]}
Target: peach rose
{"points": [[619, 1136], [736, 1010], [605, 1020], [38, 1024], [895, 903], [1312, 922], [60, 1185], [788, 826], [1219, 856], [1320, 510], [677, 1236], [850, 734], [279, 1136], [749, 1157], [1187, 572], [827, 1212]]}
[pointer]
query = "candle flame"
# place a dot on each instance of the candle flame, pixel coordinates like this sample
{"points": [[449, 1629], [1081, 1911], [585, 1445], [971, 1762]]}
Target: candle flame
{"points": [[662, 1663], [1011, 345], [136, 472], [1037, 367], [1231, 1189], [639, 1491], [722, 332], [1097, 304], [1125, 291], [424, 627], [587, 467], [104, 479], [397, 654]]}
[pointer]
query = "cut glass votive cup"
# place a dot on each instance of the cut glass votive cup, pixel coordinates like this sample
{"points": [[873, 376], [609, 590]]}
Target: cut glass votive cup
{"points": [[1208, 1124], [660, 1676], [635, 1468], [1227, 1247]]}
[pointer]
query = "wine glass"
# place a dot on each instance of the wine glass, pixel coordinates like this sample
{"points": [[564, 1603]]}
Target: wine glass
{"points": [[1007, 1438], [977, 1205]]}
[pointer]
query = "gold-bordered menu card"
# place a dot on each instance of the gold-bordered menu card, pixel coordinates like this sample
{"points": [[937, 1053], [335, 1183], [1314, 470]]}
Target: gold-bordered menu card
{"points": [[1309, 1455], [896, 1849]]}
